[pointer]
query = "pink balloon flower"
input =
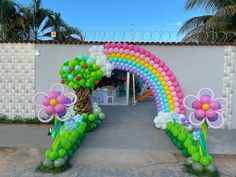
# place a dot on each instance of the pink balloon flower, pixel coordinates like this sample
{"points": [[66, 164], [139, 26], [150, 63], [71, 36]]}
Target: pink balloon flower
{"points": [[56, 103], [205, 108]]}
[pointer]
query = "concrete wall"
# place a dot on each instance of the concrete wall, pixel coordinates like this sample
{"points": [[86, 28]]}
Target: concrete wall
{"points": [[17, 80], [194, 66]]}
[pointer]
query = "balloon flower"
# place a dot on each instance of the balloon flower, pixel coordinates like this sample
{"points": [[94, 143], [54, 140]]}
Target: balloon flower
{"points": [[205, 111], [55, 104], [206, 108]]}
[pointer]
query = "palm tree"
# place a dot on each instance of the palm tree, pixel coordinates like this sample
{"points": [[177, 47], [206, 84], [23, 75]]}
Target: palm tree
{"points": [[8, 18], [63, 30], [219, 25]]}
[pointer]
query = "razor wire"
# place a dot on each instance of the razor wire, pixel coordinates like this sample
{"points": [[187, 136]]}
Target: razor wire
{"points": [[157, 36]]}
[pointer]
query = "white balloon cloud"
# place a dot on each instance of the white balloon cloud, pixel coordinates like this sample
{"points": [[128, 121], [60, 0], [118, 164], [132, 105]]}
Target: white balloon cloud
{"points": [[96, 53]]}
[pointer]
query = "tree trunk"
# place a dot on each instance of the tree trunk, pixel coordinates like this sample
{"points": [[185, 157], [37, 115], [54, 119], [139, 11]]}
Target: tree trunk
{"points": [[83, 103]]}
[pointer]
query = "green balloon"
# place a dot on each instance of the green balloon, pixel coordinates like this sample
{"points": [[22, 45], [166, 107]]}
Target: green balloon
{"points": [[91, 117], [209, 157], [62, 152], [72, 139], [196, 157], [176, 132], [204, 161], [83, 124], [70, 153], [192, 149], [82, 82], [66, 144], [53, 155], [47, 153], [188, 143], [182, 136]]}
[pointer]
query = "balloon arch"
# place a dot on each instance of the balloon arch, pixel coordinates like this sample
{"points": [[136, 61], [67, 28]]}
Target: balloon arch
{"points": [[83, 73]]}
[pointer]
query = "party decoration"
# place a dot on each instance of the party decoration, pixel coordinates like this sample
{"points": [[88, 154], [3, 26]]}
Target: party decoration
{"points": [[154, 72], [55, 104], [206, 109]]}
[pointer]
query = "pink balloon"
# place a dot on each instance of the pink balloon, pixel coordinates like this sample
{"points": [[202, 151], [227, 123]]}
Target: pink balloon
{"points": [[110, 50], [142, 56], [131, 47], [137, 55], [132, 52], [161, 64], [59, 108], [113, 44], [163, 74], [116, 50], [147, 53], [121, 50], [52, 94], [175, 83], [181, 112], [205, 99], [119, 45], [197, 104], [125, 46], [210, 113], [157, 60], [172, 88], [107, 45], [46, 101], [165, 68], [200, 114], [106, 51], [181, 100], [126, 51], [142, 51], [181, 106], [147, 59], [61, 99], [177, 89], [167, 78], [175, 98], [214, 105], [152, 57], [169, 73], [159, 70], [155, 66], [151, 62], [176, 110], [213, 119], [176, 104], [49, 110], [173, 93], [180, 95], [136, 48], [173, 78]]}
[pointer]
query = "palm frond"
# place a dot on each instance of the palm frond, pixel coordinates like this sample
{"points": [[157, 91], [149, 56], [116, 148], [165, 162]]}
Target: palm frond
{"points": [[193, 23]]}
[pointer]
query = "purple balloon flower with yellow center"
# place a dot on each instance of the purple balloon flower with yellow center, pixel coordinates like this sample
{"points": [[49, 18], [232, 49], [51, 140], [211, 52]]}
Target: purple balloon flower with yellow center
{"points": [[205, 108], [55, 104]]}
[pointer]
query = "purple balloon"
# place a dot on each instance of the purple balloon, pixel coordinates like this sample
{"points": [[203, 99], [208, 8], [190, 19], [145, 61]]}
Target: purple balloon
{"points": [[63, 113], [68, 101], [213, 119]]}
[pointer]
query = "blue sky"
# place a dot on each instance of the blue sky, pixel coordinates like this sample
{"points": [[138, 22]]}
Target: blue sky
{"points": [[144, 15]]}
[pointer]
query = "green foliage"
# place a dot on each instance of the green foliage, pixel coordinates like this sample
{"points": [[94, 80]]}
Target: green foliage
{"points": [[33, 22], [18, 120], [220, 20], [81, 71]]}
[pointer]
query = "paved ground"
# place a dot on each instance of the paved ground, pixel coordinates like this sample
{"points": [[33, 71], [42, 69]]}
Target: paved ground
{"points": [[126, 144]]}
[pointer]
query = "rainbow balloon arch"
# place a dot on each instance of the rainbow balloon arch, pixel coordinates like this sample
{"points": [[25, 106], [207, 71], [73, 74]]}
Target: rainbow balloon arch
{"points": [[83, 72]]}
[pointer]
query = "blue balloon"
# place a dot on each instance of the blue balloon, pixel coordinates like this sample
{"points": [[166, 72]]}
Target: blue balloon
{"points": [[89, 61], [68, 101], [66, 69], [70, 77], [77, 67], [61, 114]]}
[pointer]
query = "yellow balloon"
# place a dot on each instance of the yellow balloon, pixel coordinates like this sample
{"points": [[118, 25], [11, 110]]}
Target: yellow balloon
{"points": [[118, 55]]}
